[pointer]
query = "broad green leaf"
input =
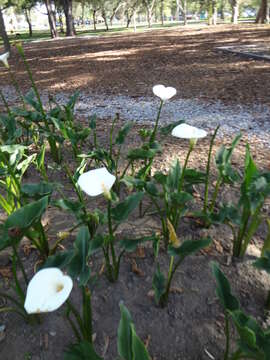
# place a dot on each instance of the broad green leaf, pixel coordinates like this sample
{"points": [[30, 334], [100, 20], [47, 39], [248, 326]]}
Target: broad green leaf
{"points": [[263, 263], [124, 338], [179, 199], [37, 190], [174, 176], [159, 284], [121, 136], [141, 154], [166, 130], [131, 244], [82, 351], [60, 260], [65, 204], [122, 210], [27, 215], [78, 265], [138, 349], [189, 247], [95, 244], [223, 290]]}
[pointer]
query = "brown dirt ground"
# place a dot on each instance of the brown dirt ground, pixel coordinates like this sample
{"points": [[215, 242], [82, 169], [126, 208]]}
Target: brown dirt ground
{"points": [[132, 63], [192, 324]]}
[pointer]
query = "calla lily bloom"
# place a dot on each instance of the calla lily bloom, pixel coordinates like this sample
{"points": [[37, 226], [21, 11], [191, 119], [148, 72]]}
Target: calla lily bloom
{"points": [[164, 93], [185, 131], [96, 182], [4, 58], [47, 291]]}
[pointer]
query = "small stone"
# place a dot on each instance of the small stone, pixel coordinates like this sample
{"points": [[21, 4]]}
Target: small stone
{"points": [[52, 333]]}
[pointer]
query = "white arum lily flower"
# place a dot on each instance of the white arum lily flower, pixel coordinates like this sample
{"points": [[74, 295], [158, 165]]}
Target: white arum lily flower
{"points": [[96, 182], [185, 131], [4, 58], [164, 93], [47, 291]]}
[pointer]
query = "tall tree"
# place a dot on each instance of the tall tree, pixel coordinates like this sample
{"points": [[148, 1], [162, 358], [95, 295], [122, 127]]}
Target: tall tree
{"points": [[149, 6], [4, 4], [263, 13], [51, 18], [67, 6], [235, 10], [25, 7]]}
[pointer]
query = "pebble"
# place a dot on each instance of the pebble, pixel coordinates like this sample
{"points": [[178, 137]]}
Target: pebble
{"points": [[250, 119]]}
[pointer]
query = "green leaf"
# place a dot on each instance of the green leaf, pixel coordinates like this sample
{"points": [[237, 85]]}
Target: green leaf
{"points": [[131, 244], [141, 154], [78, 267], [159, 284], [60, 260], [124, 338], [174, 176], [263, 263], [122, 210], [189, 247], [223, 290], [166, 130], [73, 206], [95, 244], [27, 215], [138, 349], [266, 244], [82, 351], [121, 136], [179, 199], [37, 190]]}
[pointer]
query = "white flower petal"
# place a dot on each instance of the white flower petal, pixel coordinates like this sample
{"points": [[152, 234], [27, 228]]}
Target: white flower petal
{"points": [[185, 131], [96, 182], [164, 93], [47, 291], [4, 58]]}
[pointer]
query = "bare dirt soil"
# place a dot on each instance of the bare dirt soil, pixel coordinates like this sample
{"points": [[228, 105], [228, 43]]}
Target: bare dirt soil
{"points": [[131, 64], [191, 327]]}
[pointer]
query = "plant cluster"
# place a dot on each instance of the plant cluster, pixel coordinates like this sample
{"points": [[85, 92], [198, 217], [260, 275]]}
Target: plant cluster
{"points": [[34, 136]]}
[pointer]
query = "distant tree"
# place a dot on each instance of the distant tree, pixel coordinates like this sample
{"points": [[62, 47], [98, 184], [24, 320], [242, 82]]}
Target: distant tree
{"points": [[263, 13], [235, 11], [149, 6], [25, 7], [67, 6], [4, 4], [51, 18]]}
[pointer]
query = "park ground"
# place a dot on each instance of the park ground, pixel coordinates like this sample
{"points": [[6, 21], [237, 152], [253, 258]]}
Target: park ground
{"points": [[191, 328]]}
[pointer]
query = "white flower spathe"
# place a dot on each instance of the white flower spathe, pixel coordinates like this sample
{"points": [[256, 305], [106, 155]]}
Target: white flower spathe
{"points": [[47, 291], [185, 131], [96, 182], [4, 58], [164, 93]]}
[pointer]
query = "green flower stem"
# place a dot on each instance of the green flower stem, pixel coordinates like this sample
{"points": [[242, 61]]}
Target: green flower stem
{"points": [[16, 85], [111, 240], [214, 198], [153, 135], [108, 263], [227, 333], [18, 259], [116, 118], [255, 222], [13, 300], [73, 327], [181, 182], [208, 171], [87, 314], [5, 103], [76, 315]]}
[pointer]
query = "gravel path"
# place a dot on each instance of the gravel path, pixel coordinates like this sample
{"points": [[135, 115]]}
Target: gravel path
{"points": [[253, 120]]}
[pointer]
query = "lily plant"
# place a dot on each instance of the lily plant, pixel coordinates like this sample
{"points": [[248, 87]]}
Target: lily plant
{"points": [[178, 252], [253, 342]]}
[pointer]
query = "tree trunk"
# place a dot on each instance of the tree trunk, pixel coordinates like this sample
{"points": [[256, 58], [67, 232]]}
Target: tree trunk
{"points": [[214, 13], [3, 32], [262, 13], [177, 12], [28, 19], [149, 17], [83, 11], [104, 16], [210, 12], [235, 11], [222, 10], [60, 19], [134, 21], [162, 12], [185, 12], [70, 29], [51, 19], [95, 19]]}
